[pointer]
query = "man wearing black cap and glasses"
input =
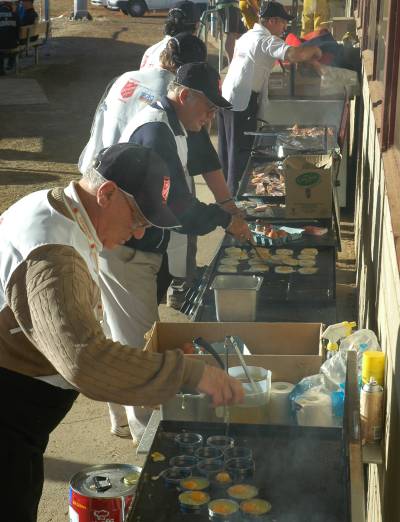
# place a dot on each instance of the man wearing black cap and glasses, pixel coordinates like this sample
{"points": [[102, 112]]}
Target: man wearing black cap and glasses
{"points": [[184, 17], [246, 85], [129, 274], [52, 345]]}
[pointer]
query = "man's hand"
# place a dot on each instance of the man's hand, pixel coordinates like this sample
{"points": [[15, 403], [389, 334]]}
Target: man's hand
{"points": [[239, 228], [231, 207], [222, 388]]}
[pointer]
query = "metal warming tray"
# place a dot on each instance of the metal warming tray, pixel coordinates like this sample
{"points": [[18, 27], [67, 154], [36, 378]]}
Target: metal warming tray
{"points": [[300, 487], [236, 297]]}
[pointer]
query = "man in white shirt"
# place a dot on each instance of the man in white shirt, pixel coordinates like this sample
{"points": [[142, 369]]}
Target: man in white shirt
{"points": [[246, 85], [184, 17]]}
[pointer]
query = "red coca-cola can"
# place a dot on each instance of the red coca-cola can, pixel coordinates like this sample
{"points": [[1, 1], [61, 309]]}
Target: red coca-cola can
{"points": [[103, 493]]}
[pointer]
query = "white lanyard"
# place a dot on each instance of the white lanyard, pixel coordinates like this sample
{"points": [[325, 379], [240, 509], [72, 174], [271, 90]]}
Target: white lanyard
{"points": [[79, 219]]}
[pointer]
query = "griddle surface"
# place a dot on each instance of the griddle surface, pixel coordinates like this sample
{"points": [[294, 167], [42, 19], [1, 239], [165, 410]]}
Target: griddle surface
{"points": [[301, 471]]}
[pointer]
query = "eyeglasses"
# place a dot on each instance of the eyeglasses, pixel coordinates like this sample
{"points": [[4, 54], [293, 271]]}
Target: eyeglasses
{"points": [[138, 219]]}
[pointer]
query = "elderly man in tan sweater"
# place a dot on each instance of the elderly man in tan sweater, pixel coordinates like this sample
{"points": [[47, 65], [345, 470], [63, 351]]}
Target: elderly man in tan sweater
{"points": [[52, 345]]}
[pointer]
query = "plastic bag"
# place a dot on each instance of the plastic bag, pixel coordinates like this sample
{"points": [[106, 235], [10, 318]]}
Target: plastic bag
{"points": [[335, 80]]}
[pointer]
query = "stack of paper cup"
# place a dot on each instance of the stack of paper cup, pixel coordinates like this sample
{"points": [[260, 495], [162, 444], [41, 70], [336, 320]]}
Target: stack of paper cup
{"points": [[315, 409], [279, 406]]}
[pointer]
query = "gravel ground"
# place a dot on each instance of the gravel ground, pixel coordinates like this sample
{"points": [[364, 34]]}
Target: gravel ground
{"points": [[39, 147]]}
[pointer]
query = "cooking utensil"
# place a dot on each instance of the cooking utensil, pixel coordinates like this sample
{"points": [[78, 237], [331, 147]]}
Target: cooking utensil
{"points": [[244, 365], [259, 256], [201, 343]]}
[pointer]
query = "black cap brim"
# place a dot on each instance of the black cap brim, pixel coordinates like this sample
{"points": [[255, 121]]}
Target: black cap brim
{"points": [[220, 102]]}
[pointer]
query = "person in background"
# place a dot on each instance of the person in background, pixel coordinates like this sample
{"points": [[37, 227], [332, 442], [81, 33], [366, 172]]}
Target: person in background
{"points": [[315, 13], [246, 86], [29, 16], [184, 17], [8, 32], [52, 346], [249, 10], [232, 24]]}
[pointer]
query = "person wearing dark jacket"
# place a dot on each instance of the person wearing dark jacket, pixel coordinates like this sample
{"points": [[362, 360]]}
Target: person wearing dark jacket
{"points": [[8, 29], [129, 274]]}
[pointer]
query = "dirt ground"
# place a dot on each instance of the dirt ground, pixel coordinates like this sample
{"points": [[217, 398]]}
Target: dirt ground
{"points": [[39, 146]]}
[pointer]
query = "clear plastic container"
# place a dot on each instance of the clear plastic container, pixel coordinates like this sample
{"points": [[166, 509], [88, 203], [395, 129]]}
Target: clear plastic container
{"points": [[240, 468], [220, 441], [254, 408], [172, 476], [209, 453], [188, 442], [183, 461], [238, 452], [210, 467], [223, 510]]}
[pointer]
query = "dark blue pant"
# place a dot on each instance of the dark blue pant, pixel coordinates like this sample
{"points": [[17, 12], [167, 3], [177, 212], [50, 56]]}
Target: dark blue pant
{"points": [[234, 146]]}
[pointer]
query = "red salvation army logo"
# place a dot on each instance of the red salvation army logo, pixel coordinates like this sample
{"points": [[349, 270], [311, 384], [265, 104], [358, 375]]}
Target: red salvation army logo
{"points": [[129, 88], [165, 189]]}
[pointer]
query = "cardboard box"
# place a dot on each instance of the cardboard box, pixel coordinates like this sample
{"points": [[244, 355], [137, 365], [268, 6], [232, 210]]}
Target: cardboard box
{"points": [[290, 351], [308, 182], [279, 85], [276, 339]]}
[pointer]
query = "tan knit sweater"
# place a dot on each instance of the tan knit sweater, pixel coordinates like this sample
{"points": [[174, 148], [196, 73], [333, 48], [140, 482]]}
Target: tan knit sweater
{"points": [[52, 296]]}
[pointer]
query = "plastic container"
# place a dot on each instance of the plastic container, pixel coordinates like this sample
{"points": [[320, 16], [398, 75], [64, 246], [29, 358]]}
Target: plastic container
{"points": [[188, 442], [220, 441], [223, 510], [172, 476], [236, 297], [210, 467], [183, 461], [238, 452], [240, 468], [209, 453], [254, 408]]}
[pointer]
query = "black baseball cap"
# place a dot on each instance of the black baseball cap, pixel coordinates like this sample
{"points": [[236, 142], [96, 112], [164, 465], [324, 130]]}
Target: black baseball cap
{"points": [[274, 10], [204, 78], [186, 10], [141, 173], [189, 48]]}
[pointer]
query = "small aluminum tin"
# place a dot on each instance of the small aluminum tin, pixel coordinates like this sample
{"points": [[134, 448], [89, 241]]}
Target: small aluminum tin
{"points": [[246, 491], [201, 483]]}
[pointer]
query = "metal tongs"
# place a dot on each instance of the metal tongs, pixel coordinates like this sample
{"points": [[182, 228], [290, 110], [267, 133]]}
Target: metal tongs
{"points": [[259, 256], [202, 345], [254, 385]]}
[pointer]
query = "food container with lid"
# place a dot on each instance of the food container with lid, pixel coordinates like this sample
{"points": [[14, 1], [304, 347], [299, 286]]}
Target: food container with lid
{"points": [[236, 297]]}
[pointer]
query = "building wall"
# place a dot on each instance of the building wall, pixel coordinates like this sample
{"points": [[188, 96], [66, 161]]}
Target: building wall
{"points": [[377, 233]]}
